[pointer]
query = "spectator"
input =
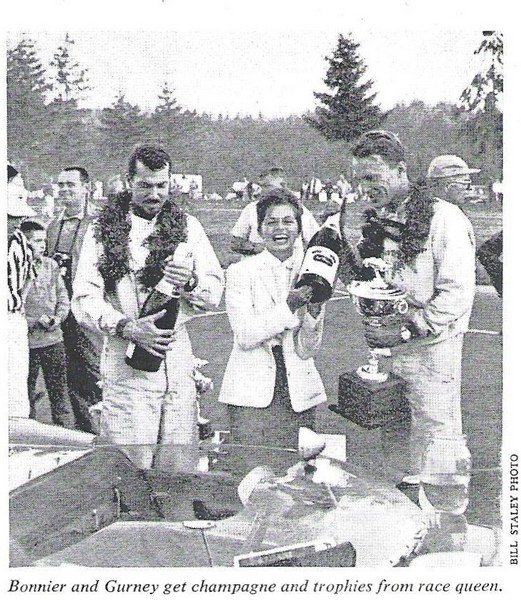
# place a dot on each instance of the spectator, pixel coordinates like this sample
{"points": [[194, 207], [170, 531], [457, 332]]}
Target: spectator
{"points": [[490, 255], [65, 236], [48, 201], [344, 187], [497, 190], [19, 274], [449, 178], [47, 306], [315, 187]]}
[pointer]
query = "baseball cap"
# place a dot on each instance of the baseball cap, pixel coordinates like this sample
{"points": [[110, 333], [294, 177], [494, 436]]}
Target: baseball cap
{"points": [[448, 165]]}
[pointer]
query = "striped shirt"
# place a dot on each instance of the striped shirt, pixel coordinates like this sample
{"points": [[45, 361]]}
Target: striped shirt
{"points": [[19, 267]]}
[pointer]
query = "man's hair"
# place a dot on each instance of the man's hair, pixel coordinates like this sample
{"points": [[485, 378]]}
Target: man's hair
{"points": [[11, 173], [153, 157], [276, 197], [84, 176], [29, 226], [272, 171], [379, 142]]}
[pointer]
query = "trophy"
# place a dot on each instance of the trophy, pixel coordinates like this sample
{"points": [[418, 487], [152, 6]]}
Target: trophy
{"points": [[378, 302], [368, 396]]}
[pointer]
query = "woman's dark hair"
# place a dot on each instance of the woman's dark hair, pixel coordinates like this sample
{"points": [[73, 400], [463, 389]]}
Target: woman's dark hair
{"points": [[276, 197]]}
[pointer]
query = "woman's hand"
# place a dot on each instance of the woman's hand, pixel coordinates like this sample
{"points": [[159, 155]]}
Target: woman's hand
{"points": [[314, 309], [299, 297], [344, 221]]}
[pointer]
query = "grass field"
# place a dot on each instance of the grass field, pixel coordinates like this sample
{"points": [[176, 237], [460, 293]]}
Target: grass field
{"points": [[343, 349]]}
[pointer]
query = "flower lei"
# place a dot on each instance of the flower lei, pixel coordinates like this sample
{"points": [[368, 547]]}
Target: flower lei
{"points": [[112, 230], [411, 235]]}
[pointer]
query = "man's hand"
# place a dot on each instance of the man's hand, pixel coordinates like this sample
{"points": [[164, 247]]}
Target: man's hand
{"points": [[387, 336], [145, 334], [298, 297], [48, 322], [175, 274]]}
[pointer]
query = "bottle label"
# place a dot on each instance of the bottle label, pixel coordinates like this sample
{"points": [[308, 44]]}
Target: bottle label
{"points": [[321, 261]]}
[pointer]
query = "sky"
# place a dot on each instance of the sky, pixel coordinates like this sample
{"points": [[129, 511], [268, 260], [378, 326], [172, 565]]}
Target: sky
{"points": [[273, 72]]}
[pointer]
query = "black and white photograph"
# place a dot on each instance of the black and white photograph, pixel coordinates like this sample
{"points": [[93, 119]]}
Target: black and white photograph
{"points": [[255, 299]]}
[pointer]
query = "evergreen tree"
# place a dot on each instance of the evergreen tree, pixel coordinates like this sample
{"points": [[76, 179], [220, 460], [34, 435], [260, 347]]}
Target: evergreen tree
{"points": [[70, 81], [70, 139], [349, 109], [26, 122], [167, 100], [489, 79], [122, 127], [481, 105], [166, 117]]}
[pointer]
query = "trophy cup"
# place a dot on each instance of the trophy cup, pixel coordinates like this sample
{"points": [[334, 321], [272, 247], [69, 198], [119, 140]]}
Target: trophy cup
{"points": [[368, 396]]}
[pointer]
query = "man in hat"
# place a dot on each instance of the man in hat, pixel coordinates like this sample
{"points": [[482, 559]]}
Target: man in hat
{"points": [[449, 178], [429, 243], [19, 273], [65, 236], [246, 239]]}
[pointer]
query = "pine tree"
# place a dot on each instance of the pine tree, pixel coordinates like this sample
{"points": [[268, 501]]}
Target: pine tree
{"points": [[489, 79], [166, 117], [481, 101], [27, 86], [348, 110], [70, 139], [70, 81], [122, 127], [167, 100]]}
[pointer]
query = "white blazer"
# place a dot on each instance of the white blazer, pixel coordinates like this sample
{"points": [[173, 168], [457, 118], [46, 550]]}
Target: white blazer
{"points": [[257, 311]]}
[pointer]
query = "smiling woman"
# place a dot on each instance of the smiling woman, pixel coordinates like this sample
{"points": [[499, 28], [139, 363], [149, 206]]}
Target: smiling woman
{"points": [[280, 221], [271, 384]]}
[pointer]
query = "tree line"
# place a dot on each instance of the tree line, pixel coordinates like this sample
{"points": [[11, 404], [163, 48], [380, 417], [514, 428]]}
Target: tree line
{"points": [[47, 128]]}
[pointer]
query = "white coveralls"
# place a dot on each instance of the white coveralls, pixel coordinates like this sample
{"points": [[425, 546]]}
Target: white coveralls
{"points": [[440, 288], [142, 409]]}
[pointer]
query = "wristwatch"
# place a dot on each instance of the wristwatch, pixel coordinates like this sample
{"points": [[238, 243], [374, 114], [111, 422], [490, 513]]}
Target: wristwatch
{"points": [[120, 326], [405, 333]]}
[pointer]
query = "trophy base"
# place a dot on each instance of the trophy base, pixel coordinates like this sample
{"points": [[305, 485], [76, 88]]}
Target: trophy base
{"points": [[371, 404], [368, 374]]}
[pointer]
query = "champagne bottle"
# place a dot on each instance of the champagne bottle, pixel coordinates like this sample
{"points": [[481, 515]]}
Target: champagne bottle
{"points": [[320, 264], [162, 297]]}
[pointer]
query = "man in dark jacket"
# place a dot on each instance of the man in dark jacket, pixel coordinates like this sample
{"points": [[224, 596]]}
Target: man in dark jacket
{"points": [[64, 241]]}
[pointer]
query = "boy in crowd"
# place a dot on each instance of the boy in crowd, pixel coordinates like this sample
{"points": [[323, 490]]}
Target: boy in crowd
{"points": [[47, 306]]}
